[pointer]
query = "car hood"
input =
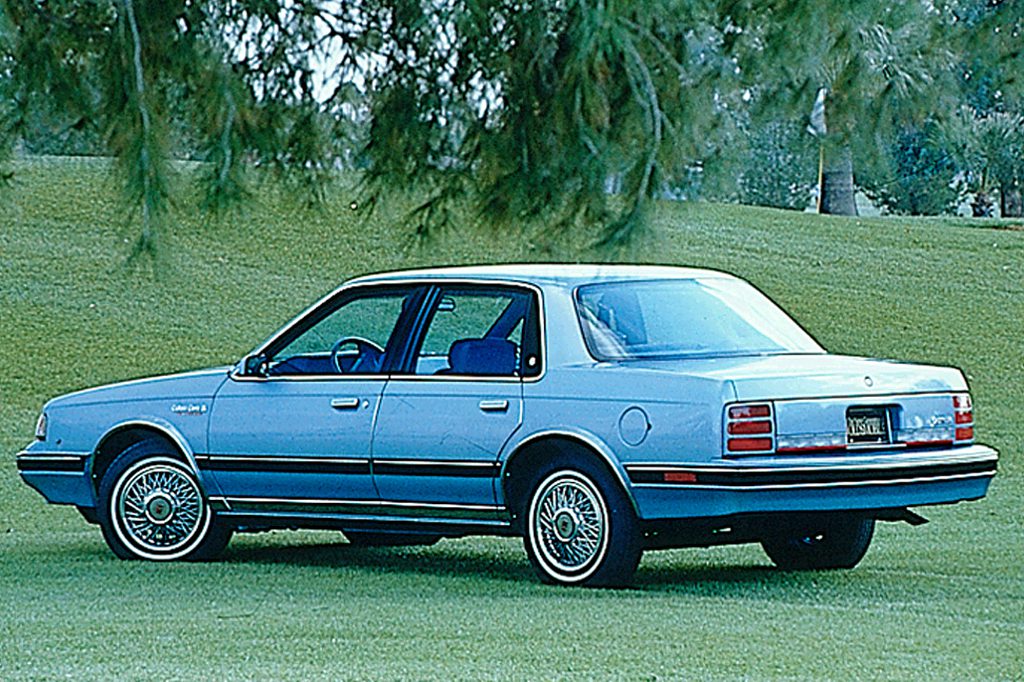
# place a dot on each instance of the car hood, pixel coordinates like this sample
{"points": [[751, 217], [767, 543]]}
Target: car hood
{"points": [[185, 386], [813, 375]]}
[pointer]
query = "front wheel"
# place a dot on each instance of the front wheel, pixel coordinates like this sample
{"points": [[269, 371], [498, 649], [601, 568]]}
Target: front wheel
{"points": [[580, 527], [152, 507], [826, 542]]}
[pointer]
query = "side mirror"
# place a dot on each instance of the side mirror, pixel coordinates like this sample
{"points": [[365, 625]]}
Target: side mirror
{"points": [[254, 366]]}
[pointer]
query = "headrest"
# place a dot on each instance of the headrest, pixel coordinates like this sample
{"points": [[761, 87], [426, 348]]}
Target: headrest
{"points": [[483, 357]]}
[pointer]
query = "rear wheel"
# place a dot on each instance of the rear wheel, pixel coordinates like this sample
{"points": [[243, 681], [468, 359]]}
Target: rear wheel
{"points": [[826, 542], [580, 527], [152, 507]]}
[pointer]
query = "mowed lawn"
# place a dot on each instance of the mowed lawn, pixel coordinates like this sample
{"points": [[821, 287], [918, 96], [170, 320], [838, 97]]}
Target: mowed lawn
{"points": [[942, 601]]}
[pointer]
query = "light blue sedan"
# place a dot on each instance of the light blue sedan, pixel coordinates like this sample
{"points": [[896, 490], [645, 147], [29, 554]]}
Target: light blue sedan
{"points": [[596, 411]]}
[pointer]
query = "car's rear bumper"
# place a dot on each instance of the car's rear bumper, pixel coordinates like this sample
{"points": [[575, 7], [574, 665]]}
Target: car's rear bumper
{"points": [[883, 480], [58, 476]]}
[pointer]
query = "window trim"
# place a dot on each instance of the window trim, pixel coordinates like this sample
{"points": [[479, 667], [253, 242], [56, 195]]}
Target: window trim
{"points": [[580, 324], [427, 285], [426, 317], [326, 307]]}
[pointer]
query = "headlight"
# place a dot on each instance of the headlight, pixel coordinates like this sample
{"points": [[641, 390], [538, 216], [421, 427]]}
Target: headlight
{"points": [[41, 427]]}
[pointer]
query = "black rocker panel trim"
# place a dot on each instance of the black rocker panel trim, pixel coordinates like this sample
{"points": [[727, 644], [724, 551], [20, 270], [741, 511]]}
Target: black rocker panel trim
{"points": [[307, 465]]}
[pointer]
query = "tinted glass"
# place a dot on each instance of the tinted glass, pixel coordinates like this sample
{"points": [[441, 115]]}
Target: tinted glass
{"points": [[352, 339], [685, 318], [475, 332]]}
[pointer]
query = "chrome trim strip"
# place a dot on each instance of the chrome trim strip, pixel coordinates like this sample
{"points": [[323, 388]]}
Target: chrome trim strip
{"points": [[497, 523], [47, 457], [280, 460], [415, 281], [870, 396], [50, 463], [801, 486], [434, 462], [363, 503], [827, 464], [216, 500]]}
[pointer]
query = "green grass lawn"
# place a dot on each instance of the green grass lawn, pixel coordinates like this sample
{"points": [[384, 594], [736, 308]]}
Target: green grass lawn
{"points": [[943, 601]]}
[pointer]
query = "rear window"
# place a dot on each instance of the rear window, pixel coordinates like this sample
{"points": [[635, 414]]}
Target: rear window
{"points": [[685, 318]]}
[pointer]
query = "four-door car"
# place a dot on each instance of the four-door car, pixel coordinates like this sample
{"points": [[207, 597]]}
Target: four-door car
{"points": [[595, 411]]}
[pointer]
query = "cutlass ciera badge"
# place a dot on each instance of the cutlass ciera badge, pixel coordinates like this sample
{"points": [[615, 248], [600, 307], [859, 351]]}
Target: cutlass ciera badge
{"points": [[189, 408]]}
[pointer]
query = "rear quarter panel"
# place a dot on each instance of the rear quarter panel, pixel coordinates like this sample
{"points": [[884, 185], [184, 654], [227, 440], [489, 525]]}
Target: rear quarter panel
{"points": [[638, 415]]}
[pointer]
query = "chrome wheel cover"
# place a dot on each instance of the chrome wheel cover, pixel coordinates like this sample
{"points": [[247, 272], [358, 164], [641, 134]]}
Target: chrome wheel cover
{"points": [[158, 509], [569, 526]]}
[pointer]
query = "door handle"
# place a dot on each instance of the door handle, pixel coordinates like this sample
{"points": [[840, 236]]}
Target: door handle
{"points": [[494, 405], [345, 403]]}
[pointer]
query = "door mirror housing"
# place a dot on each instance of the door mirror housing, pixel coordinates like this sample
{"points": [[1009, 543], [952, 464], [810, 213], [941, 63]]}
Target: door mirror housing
{"points": [[254, 366]]}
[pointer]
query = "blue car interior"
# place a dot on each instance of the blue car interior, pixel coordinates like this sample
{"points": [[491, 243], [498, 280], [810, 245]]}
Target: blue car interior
{"points": [[482, 357]]}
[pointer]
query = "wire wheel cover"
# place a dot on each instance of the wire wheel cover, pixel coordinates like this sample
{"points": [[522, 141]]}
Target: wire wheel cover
{"points": [[160, 508], [570, 523]]}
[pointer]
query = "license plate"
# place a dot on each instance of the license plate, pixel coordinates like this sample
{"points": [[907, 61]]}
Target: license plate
{"points": [[867, 426]]}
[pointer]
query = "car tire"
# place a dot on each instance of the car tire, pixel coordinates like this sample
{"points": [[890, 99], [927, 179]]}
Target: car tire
{"points": [[579, 526], [369, 538], [827, 542], [152, 507]]}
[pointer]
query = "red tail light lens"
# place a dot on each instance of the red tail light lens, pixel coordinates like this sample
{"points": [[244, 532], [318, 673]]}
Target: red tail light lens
{"points": [[962, 401], [749, 428], [750, 444], [963, 417], [749, 411]]}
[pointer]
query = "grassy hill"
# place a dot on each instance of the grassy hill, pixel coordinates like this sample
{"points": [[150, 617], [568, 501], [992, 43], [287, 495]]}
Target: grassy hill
{"points": [[942, 601]]}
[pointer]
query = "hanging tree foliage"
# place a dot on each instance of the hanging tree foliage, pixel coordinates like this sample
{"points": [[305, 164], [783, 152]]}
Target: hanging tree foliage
{"points": [[564, 113]]}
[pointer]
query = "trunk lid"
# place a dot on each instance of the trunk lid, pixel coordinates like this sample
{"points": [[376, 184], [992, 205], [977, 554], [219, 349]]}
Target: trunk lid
{"points": [[822, 403]]}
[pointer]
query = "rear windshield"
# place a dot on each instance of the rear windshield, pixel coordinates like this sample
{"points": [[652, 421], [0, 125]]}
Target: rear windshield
{"points": [[685, 318]]}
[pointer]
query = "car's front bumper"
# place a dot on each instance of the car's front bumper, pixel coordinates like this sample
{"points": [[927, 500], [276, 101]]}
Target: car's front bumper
{"points": [[60, 477], [881, 480]]}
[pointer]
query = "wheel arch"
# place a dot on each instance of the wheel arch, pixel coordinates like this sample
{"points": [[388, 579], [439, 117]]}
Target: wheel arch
{"points": [[530, 453], [124, 435]]}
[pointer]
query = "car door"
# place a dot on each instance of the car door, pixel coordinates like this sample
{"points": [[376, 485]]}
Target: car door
{"points": [[443, 423], [295, 436]]}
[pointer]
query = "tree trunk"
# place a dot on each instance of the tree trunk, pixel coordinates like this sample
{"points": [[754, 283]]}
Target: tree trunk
{"points": [[1011, 203], [837, 193], [981, 207]]}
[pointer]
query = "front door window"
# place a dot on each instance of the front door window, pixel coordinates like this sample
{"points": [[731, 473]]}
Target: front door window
{"points": [[353, 339]]}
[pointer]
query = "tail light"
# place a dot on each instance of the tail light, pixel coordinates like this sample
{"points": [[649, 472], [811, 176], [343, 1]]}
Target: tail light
{"points": [[749, 428], [963, 417]]}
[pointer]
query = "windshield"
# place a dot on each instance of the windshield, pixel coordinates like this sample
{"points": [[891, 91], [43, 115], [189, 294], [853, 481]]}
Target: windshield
{"points": [[685, 318]]}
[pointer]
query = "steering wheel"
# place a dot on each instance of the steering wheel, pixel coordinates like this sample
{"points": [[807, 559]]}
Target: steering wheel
{"points": [[370, 354]]}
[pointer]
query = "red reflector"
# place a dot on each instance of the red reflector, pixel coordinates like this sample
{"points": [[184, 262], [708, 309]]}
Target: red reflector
{"points": [[749, 411], [964, 417], [750, 427], [749, 444], [965, 433], [962, 401], [680, 477]]}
